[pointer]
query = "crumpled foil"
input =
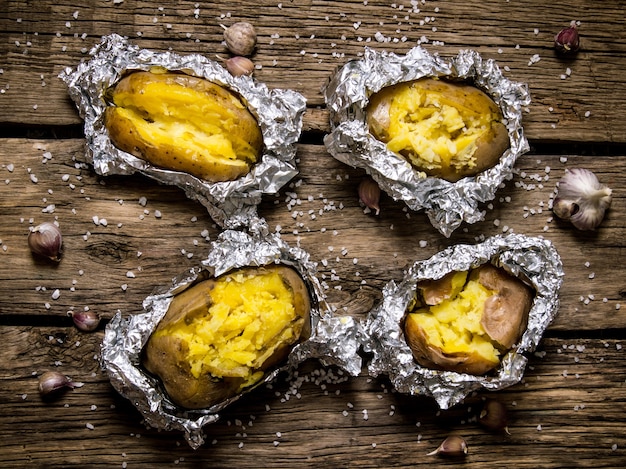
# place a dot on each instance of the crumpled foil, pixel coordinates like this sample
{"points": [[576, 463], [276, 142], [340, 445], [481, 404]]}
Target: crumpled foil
{"points": [[533, 260], [447, 204], [231, 204], [334, 340]]}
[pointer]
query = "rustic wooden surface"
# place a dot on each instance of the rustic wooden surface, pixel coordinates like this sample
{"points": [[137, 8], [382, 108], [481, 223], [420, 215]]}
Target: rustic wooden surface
{"points": [[569, 411]]}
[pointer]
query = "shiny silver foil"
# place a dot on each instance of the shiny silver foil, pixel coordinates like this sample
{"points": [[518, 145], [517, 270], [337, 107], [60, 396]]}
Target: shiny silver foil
{"points": [[533, 260], [447, 204], [334, 340], [231, 204]]}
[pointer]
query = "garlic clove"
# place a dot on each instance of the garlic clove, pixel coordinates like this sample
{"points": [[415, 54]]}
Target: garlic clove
{"points": [[452, 446], [581, 199], [494, 416], [85, 321], [567, 41], [240, 38], [369, 194], [239, 65], [53, 381], [46, 240]]}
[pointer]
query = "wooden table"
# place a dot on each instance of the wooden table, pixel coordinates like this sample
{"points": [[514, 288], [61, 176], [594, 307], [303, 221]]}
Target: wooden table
{"points": [[570, 408]]}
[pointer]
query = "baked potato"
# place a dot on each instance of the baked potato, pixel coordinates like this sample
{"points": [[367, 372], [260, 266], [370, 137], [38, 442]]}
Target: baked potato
{"points": [[466, 321], [444, 129], [183, 123], [220, 336]]}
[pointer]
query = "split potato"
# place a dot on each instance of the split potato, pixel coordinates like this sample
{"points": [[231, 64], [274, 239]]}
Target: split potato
{"points": [[183, 123], [220, 336], [444, 129], [466, 321]]}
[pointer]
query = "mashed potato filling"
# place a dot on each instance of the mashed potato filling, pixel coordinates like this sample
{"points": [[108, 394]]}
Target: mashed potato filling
{"points": [[433, 131], [250, 317], [167, 113], [454, 325]]}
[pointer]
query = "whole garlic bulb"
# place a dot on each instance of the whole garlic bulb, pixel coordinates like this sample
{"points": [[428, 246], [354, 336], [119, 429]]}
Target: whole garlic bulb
{"points": [[240, 38], [581, 199]]}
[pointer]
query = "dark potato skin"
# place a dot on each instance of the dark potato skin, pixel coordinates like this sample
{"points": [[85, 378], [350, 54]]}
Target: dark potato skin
{"points": [[506, 313], [504, 319], [164, 356]]}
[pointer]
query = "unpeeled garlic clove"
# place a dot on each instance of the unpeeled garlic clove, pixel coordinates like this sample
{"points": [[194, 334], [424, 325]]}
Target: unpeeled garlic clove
{"points": [[240, 38], [369, 194], [567, 41], [239, 66], [452, 446], [85, 321], [46, 240], [53, 381], [581, 199], [494, 416]]}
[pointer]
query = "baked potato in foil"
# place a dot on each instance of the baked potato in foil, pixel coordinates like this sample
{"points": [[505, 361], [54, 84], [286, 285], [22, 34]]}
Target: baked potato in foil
{"points": [[222, 335], [440, 134], [185, 120], [252, 310], [466, 318], [466, 321]]}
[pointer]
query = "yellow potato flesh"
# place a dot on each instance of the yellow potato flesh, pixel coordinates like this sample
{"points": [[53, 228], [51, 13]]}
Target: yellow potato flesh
{"points": [[175, 111], [454, 325], [432, 128], [184, 123], [445, 129], [250, 317]]}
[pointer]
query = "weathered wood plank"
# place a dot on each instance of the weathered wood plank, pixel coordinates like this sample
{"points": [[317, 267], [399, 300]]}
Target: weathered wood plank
{"points": [[301, 43], [355, 422], [358, 252]]}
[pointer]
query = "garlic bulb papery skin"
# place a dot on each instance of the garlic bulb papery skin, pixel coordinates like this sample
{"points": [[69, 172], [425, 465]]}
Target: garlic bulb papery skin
{"points": [[369, 194], [46, 240], [85, 321], [239, 65], [240, 38], [567, 40], [452, 446], [53, 381], [581, 199]]}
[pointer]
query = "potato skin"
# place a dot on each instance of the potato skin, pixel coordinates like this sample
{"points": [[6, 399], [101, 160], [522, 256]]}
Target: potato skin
{"points": [[433, 357], [505, 315], [472, 104], [165, 356], [503, 319], [184, 123]]}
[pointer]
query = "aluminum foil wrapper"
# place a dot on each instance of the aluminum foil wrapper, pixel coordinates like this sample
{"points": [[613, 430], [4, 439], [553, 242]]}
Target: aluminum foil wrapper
{"points": [[447, 204], [533, 260], [334, 340], [231, 204]]}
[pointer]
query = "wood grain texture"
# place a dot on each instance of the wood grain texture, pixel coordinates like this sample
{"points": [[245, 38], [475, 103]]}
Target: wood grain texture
{"points": [[356, 422], [116, 249], [300, 43]]}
